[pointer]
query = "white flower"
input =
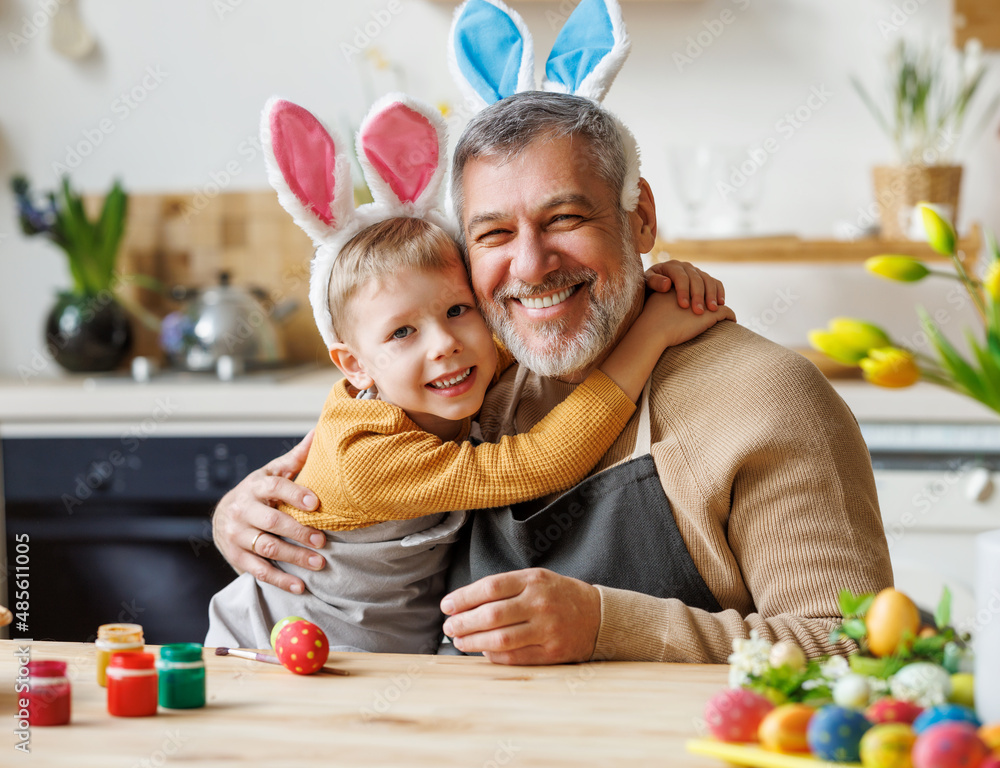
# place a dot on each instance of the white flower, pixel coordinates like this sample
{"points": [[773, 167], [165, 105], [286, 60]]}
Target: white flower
{"points": [[834, 668], [749, 659], [972, 60], [922, 683]]}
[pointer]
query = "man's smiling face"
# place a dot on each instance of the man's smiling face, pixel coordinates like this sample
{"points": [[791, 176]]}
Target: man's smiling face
{"points": [[556, 276]]}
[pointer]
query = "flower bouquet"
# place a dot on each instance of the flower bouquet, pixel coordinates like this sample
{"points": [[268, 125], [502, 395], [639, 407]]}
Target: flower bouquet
{"points": [[891, 364]]}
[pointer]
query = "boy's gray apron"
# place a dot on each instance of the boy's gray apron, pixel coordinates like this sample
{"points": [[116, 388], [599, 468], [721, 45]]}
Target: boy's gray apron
{"points": [[616, 529], [380, 590]]}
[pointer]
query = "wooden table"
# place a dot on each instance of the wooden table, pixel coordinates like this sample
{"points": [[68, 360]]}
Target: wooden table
{"points": [[393, 710]]}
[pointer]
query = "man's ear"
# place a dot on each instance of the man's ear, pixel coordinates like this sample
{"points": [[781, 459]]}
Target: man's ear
{"points": [[352, 368], [643, 219]]}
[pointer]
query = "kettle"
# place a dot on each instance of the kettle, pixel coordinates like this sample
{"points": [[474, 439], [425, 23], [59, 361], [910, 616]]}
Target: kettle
{"points": [[224, 323]]}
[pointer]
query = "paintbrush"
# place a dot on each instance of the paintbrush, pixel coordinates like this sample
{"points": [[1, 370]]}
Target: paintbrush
{"points": [[269, 659]]}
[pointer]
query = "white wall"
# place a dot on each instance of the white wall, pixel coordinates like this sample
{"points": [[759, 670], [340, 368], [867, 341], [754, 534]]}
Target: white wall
{"points": [[216, 68]]}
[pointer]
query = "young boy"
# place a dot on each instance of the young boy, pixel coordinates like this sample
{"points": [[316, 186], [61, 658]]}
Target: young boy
{"points": [[390, 461]]}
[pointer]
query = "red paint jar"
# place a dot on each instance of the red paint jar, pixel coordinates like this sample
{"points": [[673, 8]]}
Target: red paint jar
{"points": [[132, 685], [48, 693]]}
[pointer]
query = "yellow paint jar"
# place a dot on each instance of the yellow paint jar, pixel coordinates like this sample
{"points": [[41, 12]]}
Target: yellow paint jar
{"points": [[116, 638]]}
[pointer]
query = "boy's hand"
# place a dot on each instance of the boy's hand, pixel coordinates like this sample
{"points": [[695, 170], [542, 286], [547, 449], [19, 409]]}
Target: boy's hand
{"points": [[695, 288], [672, 324]]}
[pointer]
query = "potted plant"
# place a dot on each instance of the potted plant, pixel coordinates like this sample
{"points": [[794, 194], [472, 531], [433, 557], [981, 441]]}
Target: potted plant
{"points": [[923, 109], [87, 330]]}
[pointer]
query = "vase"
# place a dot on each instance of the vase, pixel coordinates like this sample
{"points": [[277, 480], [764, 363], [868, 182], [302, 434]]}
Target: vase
{"points": [[899, 188], [88, 334]]}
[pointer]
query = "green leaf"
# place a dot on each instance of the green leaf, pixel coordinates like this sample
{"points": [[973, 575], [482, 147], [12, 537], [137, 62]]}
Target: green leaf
{"points": [[990, 370], [109, 230], [964, 375], [942, 615], [855, 629]]}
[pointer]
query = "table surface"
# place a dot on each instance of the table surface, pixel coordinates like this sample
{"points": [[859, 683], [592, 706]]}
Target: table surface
{"points": [[393, 710]]}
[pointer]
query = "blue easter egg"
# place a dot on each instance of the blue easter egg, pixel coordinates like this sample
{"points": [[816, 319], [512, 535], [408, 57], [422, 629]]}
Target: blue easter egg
{"points": [[944, 713], [835, 734]]}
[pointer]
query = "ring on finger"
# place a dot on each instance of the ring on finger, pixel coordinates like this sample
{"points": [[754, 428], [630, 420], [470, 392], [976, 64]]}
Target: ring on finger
{"points": [[253, 544]]}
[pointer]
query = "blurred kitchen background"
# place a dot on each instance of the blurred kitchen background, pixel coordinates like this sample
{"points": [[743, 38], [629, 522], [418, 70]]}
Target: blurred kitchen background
{"points": [[178, 90], [114, 481]]}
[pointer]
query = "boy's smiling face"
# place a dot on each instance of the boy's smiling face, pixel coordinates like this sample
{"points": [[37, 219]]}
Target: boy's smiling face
{"points": [[418, 336]]}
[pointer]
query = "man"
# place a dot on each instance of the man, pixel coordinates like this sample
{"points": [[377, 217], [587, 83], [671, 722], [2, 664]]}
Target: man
{"points": [[739, 498]]}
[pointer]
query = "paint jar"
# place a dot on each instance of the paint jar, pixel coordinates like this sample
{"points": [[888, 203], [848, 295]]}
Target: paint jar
{"points": [[49, 697], [182, 676], [116, 638], [132, 684]]}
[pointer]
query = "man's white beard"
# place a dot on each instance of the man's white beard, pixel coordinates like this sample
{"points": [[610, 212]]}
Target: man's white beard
{"points": [[552, 353]]}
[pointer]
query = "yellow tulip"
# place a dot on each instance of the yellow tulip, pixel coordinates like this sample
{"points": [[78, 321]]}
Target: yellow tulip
{"points": [[991, 280], [859, 334], [847, 340], [830, 345], [905, 269], [890, 367], [940, 235]]}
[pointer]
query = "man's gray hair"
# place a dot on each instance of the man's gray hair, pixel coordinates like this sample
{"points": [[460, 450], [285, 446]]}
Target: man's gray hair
{"points": [[506, 128]]}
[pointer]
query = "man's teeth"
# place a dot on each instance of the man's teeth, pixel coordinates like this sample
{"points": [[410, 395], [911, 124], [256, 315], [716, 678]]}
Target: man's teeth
{"points": [[548, 301], [451, 382]]}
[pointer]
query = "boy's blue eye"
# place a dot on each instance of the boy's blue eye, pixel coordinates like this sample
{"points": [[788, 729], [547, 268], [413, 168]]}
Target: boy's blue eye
{"points": [[457, 311], [401, 333]]}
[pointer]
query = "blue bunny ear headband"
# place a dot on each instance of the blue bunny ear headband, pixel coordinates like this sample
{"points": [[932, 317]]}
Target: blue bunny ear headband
{"points": [[491, 56]]}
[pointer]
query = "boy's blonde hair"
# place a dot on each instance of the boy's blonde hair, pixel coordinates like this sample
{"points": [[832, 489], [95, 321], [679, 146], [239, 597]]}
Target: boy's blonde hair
{"points": [[383, 248]]}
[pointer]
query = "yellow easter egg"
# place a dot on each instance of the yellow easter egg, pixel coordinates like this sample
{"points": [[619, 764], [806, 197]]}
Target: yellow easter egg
{"points": [[891, 618], [888, 746], [963, 690]]}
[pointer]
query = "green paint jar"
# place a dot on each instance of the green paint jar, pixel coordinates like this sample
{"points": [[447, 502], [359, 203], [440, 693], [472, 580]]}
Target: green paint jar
{"points": [[182, 676]]}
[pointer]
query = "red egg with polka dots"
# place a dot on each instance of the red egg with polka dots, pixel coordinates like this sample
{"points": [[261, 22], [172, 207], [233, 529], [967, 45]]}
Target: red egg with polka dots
{"points": [[735, 714], [949, 744], [302, 647], [893, 711]]}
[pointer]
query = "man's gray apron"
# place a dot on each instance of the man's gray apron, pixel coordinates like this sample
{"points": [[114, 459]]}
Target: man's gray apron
{"points": [[616, 529]]}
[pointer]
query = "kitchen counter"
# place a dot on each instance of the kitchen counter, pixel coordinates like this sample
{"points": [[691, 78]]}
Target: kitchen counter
{"points": [[393, 710], [271, 403]]}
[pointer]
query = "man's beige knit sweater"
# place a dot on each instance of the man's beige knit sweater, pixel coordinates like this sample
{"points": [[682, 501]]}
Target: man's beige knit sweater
{"points": [[771, 486]]}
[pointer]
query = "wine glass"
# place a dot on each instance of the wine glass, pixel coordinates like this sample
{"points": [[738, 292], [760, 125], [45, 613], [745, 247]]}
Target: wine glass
{"points": [[741, 181], [692, 171]]}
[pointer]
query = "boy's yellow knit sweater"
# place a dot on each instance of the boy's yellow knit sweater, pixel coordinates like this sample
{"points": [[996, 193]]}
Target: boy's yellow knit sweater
{"points": [[369, 462]]}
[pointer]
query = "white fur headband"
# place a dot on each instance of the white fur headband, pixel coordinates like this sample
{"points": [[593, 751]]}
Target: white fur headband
{"points": [[491, 56], [403, 153]]}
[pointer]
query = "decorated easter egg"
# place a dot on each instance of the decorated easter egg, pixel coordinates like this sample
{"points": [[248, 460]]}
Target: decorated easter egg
{"points": [[835, 734], [949, 745], [302, 647], [852, 690], [280, 626], [945, 713], [963, 687], [784, 728], [734, 714], [893, 711], [888, 745], [787, 654], [891, 621], [990, 734]]}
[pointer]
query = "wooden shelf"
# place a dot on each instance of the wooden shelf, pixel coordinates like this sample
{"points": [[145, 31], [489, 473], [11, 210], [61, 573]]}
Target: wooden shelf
{"points": [[794, 249]]}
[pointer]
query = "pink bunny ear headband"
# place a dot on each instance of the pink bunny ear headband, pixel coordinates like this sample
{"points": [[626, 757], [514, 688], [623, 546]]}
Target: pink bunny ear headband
{"points": [[403, 153], [491, 56]]}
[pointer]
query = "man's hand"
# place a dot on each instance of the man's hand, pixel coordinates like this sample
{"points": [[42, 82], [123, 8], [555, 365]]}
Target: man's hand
{"points": [[248, 509], [532, 616]]}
